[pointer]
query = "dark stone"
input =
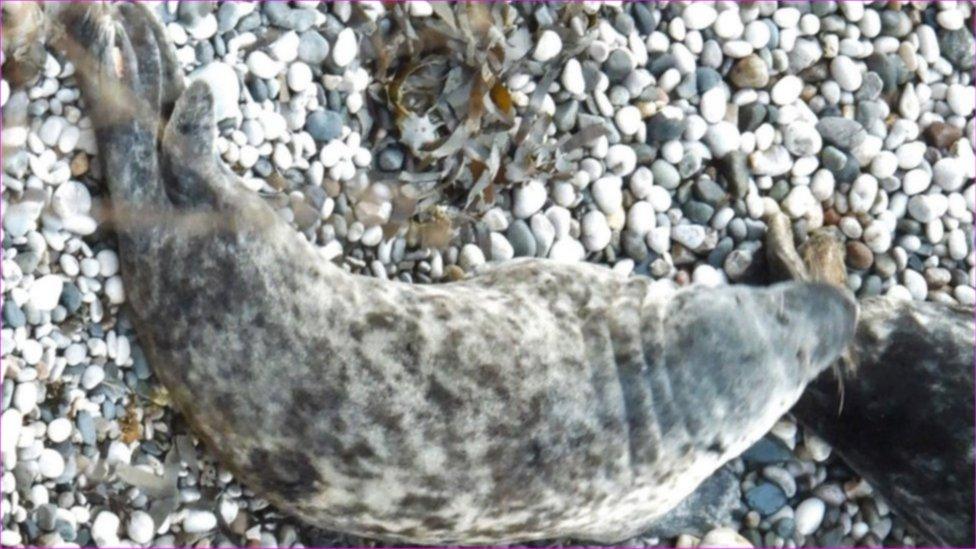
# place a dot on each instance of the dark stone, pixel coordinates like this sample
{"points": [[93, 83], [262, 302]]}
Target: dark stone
{"points": [[716, 257], [70, 297], [660, 128], [941, 135], [47, 516], [688, 86], [660, 63], [707, 78], [710, 191], [204, 52], [885, 67], [767, 451], [520, 236], [263, 167], [13, 315], [765, 498], [618, 65], [565, 115], [634, 246], [735, 170], [958, 47], [699, 212], [643, 18], [258, 88], [249, 22], [324, 125], [751, 116]]}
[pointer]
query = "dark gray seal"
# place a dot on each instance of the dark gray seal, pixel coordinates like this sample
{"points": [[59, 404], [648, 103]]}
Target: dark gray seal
{"points": [[900, 411], [534, 400]]}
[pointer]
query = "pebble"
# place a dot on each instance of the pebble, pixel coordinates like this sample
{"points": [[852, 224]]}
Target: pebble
{"points": [[520, 236], [140, 527], [299, 77], [596, 232], [324, 125], [528, 199], [345, 48], [846, 73], [572, 78], [689, 236], [105, 529], [713, 104], [841, 132], [547, 47], [199, 521], [928, 207], [765, 498], [750, 72], [628, 120], [59, 430], [809, 516], [567, 250], [263, 66], [786, 90], [607, 193], [50, 463], [45, 292]]}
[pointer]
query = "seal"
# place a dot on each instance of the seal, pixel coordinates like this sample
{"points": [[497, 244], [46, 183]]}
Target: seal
{"points": [[904, 417], [534, 400]]}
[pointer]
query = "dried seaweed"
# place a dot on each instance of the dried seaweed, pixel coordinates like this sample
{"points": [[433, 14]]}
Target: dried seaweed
{"points": [[444, 79]]}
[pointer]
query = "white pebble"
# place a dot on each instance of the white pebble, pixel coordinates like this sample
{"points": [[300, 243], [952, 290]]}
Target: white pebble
{"points": [[572, 78], [140, 528], [607, 194], [262, 65], [105, 529], [59, 430], [528, 199], [45, 292], [713, 104], [809, 515], [345, 49], [916, 181], [299, 76], [786, 90], [548, 46], [199, 521], [596, 231], [567, 250], [628, 120], [50, 463], [501, 248]]}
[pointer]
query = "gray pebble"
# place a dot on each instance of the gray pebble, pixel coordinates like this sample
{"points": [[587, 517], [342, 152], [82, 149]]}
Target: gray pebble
{"points": [[520, 236], [313, 48], [841, 132], [324, 125]]}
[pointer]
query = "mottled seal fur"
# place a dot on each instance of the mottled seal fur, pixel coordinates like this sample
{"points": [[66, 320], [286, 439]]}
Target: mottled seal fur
{"points": [[534, 400]]}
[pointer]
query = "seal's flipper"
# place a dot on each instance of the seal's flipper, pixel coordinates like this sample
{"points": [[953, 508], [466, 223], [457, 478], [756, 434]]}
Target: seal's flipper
{"points": [[142, 52], [190, 165], [158, 65]]}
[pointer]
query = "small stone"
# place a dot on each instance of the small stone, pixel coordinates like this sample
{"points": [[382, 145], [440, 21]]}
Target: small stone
{"points": [[751, 115], [324, 125], [961, 99], [841, 132], [140, 527], [859, 256], [299, 76], [628, 120], [618, 65], [809, 515], [802, 139], [908, 105], [567, 250], [547, 46], [345, 49], [916, 181], [45, 292], [528, 199], [661, 128], [572, 78], [520, 236], [915, 283], [596, 232], [750, 72], [698, 16], [846, 73], [665, 175], [105, 529], [928, 207], [92, 377], [59, 430], [470, 257], [724, 537], [689, 236], [958, 47], [765, 498], [723, 138], [199, 521], [786, 90], [713, 105], [941, 135], [262, 65], [312, 47], [50, 463]]}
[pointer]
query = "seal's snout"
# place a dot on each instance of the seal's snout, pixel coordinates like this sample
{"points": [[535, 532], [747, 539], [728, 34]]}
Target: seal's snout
{"points": [[822, 319]]}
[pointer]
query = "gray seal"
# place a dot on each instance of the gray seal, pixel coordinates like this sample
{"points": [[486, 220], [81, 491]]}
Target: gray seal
{"points": [[534, 400]]}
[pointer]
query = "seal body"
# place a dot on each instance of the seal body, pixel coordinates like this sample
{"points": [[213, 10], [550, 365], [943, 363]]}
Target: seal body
{"points": [[534, 400]]}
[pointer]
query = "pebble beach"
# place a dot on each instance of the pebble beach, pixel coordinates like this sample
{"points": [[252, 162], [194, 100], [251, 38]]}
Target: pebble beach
{"points": [[423, 141]]}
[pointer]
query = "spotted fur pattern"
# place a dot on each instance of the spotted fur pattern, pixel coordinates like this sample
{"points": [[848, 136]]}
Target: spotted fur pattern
{"points": [[534, 400]]}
